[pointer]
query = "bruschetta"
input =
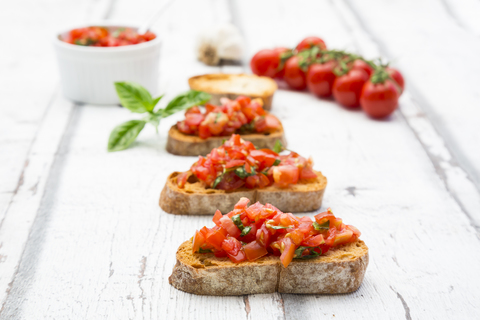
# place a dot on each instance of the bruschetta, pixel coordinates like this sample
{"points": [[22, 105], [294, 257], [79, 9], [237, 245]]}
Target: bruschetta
{"points": [[220, 85], [200, 132], [237, 169], [259, 249]]}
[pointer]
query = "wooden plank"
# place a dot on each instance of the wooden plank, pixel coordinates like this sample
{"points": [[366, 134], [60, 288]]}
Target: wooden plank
{"points": [[105, 263], [34, 117], [381, 179], [436, 74]]}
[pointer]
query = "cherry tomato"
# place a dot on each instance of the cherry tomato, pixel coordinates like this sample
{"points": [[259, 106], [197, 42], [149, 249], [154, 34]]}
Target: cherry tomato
{"points": [[360, 64], [379, 100], [310, 42], [265, 63], [320, 78], [294, 75], [397, 76], [347, 88]]}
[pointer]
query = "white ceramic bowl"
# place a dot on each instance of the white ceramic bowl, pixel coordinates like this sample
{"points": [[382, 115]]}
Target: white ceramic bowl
{"points": [[87, 73]]}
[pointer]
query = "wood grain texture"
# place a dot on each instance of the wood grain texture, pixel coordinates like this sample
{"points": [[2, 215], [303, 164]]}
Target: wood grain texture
{"points": [[82, 236]]}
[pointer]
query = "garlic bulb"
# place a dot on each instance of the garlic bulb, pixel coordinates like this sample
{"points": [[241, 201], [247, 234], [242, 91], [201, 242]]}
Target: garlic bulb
{"points": [[221, 41]]}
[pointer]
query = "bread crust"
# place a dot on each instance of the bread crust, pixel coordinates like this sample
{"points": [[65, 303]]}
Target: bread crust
{"points": [[194, 199], [220, 85], [340, 270], [186, 145]]}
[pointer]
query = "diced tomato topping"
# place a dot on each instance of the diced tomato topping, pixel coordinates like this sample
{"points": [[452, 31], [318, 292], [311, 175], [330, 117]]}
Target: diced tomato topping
{"points": [[106, 37], [182, 179], [288, 252], [255, 250], [285, 175], [216, 218], [234, 250], [233, 116], [229, 226], [198, 241], [307, 173], [215, 238], [234, 163], [242, 203], [268, 231]]}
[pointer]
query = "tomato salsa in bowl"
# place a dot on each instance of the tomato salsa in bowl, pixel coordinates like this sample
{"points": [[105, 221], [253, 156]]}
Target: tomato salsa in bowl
{"points": [[101, 36], [92, 57]]}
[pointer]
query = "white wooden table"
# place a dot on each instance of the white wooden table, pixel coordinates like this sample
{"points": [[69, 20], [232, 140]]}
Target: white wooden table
{"points": [[81, 233]]}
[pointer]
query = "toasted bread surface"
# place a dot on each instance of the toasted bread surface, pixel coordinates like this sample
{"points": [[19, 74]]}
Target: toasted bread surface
{"points": [[185, 145], [340, 270], [195, 199], [233, 85]]}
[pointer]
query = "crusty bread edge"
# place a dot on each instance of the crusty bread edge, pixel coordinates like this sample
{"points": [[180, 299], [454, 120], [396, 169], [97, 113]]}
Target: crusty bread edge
{"points": [[314, 276], [266, 96], [184, 145], [177, 201]]}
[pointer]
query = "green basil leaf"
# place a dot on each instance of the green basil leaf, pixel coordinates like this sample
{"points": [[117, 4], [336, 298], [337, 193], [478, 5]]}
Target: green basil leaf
{"points": [[184, 101], [123, 135], [313, 254], [245, 231], [278, 146], [242, 173], [134, 97], [277, 162], [237, 221], [321, 227], [155, 101], [247, 128], [200, 250], [217, 181]]}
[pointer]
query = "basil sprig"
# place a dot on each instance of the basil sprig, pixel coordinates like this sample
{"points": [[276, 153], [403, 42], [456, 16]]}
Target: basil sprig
{"points": [[313, 254], [200, 250], [238, 222], [137, 99], [278, 147], [321, 227]]}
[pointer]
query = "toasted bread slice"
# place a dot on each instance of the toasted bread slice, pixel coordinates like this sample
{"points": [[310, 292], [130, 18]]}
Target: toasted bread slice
{"points": [[185, 145], [220, 85], [340, 270], [195, 199]]}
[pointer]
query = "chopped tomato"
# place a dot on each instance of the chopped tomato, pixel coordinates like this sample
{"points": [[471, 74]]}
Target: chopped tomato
{"points": [[234, 250], [215, 238], [228, 225], [216, 218], [234, 163], [198, 241], [264, 233], [314, 241], [285, 175], [106, 37], [307, 173], [182, 179], [288, 252], [233, 116], [255, 250], [242, 203]]}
